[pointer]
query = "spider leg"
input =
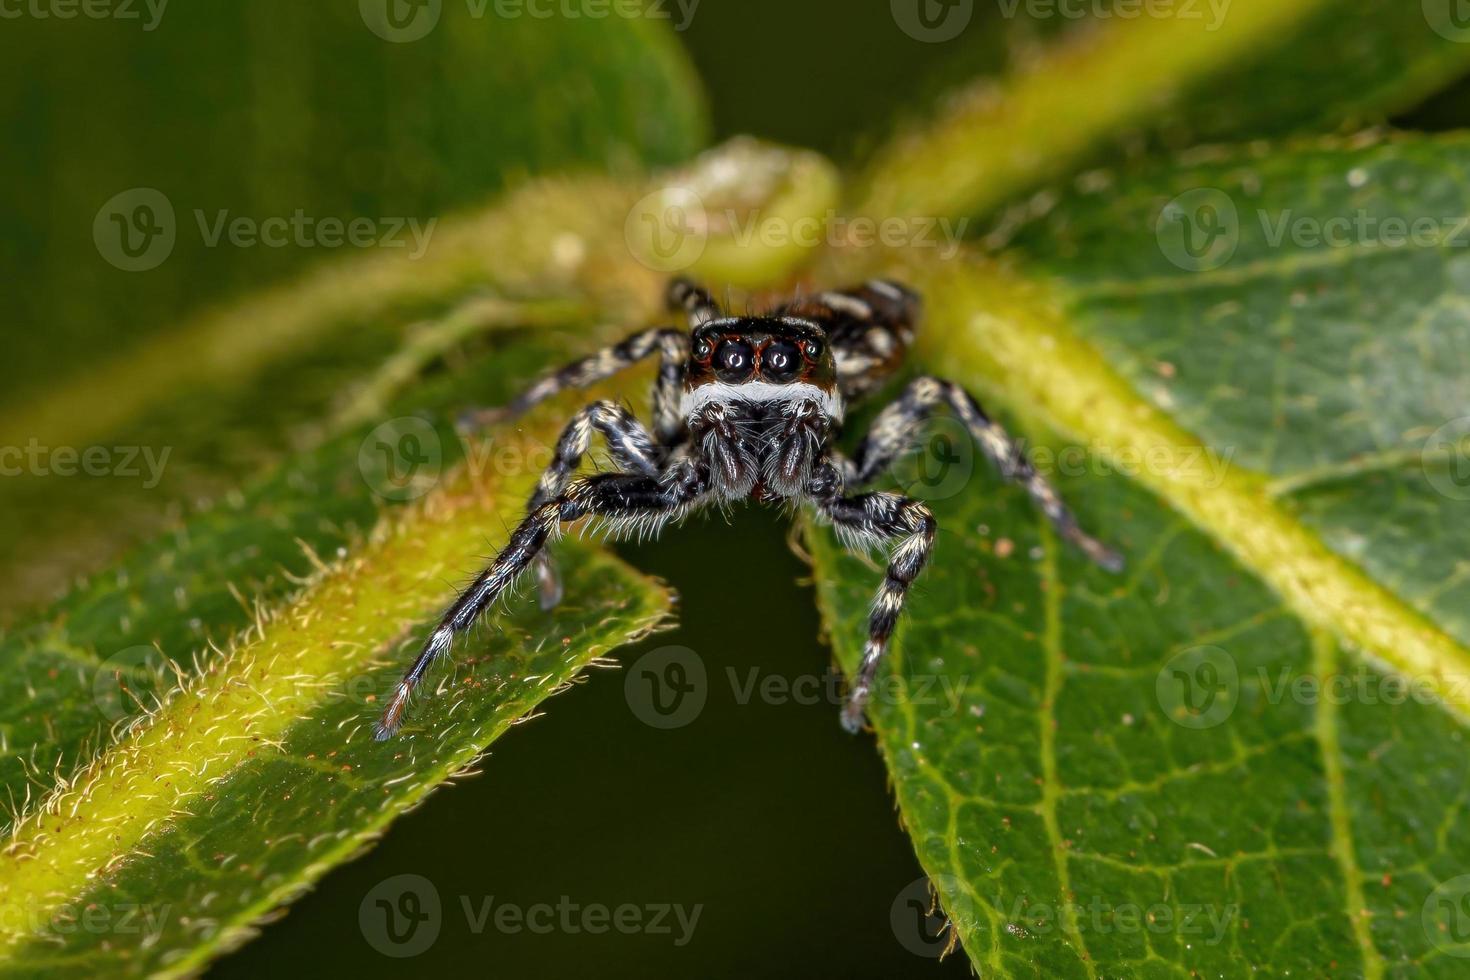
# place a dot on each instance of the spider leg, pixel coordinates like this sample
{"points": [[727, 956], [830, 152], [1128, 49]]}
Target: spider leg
{"points": [[672, 346], [630, 446], [694, 300], [893, 431], [620, 497], [872, 517]]}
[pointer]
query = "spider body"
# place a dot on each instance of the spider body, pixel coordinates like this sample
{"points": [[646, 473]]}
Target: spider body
{"points": [[749, 408], [760, 400]]}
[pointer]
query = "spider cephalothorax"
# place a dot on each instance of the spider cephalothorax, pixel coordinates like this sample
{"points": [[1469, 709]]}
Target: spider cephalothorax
{"points": [[760, 399], [749, 408]]}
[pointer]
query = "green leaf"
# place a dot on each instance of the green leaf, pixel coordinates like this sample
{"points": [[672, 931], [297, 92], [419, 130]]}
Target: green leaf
{"points": [[1245, 754], [200, 671], [284, 108], [1191, 72], [260, 772]]}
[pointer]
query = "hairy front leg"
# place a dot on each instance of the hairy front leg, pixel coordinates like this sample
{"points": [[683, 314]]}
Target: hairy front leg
{"points": [[628, 443], [670, 344], [619, 497]]}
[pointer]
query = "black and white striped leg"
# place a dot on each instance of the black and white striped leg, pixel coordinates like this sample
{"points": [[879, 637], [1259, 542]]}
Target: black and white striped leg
{"points": [[872, 517], [894, 430], [694, 300], [628, 443], [672, 347], [616, 496]]}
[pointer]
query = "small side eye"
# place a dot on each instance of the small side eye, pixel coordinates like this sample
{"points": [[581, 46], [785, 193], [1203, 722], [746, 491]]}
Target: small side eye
{"points": [[701, 350], [780, 361], [734, 360], [812, 349]]}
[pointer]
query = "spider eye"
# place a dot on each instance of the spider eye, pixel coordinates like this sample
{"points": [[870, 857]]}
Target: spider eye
{"points": [[734, 361], [812, 348], [780, 361]]}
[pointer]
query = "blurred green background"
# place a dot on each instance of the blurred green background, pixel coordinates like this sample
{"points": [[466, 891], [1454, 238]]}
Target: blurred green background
{"points": [[766, 815]]}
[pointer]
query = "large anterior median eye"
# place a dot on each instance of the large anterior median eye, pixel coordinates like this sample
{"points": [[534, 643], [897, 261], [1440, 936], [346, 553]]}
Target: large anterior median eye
{"points": [[780, 361], [734, 361]]}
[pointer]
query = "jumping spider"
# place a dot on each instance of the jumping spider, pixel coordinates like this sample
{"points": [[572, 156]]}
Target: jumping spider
{"points": [[748, 407]]}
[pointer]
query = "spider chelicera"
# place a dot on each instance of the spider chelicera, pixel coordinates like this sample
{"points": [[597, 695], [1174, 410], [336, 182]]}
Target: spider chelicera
{"points": [[748, 407]]}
